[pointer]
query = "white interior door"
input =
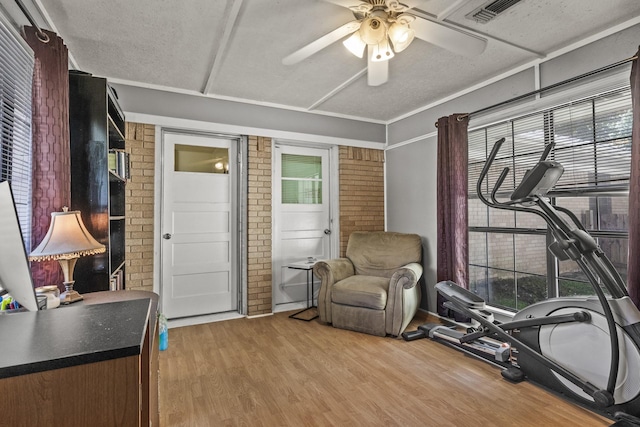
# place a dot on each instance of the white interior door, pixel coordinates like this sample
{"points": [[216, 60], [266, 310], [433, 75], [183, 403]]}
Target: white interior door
{"points": [[199, 239], [302, 218]]}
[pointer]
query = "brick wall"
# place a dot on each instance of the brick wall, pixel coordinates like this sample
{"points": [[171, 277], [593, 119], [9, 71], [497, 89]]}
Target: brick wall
{"points": [[259, 292], [139, 205], [361, 192]]}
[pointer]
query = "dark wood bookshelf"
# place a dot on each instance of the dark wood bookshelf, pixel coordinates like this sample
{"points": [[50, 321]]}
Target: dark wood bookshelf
{"points": [[97, 127]]}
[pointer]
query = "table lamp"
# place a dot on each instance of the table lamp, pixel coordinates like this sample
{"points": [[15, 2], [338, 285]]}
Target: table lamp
{"points": [[67, 240]]}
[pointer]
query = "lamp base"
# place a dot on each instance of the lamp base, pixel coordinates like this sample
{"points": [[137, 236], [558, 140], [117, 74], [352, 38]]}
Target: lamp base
{"points": [[69, 297]]}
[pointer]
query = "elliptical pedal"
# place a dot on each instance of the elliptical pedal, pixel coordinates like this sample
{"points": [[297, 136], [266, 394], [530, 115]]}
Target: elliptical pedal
{"points": [[414, 335]]}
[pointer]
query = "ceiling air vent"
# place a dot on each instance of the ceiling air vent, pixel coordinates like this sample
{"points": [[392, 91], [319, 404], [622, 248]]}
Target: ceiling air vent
{"points": [[486, 13]]}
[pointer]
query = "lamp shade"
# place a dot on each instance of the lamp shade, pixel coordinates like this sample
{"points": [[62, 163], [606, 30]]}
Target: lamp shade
{"points": [[355, 44], [401, 36], [67, 237], [373, 30]]}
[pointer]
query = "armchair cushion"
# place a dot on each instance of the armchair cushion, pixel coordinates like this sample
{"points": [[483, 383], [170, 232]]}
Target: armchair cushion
{"points": [[362, 291]]}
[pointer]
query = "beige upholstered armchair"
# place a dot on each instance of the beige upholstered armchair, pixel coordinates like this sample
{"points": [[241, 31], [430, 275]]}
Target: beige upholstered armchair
{"points": [[375, 288]]}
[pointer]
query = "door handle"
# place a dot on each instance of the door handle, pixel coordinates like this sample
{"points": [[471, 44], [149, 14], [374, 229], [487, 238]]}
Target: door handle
{"points": [[166, 236], [327, 231]]}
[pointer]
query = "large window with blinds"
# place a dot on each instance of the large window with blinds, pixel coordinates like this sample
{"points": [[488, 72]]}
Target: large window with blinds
{"points": [[16, 71], [509, 264]]}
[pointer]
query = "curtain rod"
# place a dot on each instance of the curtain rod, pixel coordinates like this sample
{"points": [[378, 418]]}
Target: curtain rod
{"points": [[546, 88], [44, 38]]}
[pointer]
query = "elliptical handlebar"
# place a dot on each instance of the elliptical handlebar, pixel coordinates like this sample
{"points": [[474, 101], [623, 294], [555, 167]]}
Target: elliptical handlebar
{"points": [[503, 175], [498, 184], [547, 150], [485, 171], [494, 203]]}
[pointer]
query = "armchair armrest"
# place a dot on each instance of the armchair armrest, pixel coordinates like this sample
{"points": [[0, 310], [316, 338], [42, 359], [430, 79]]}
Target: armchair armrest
{"points": [[406, 276], [330, 272], [403, 297]]}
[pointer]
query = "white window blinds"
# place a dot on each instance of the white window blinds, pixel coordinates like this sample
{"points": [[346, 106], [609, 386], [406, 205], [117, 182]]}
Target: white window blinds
{"points": [[592, 141], [16, 71]]}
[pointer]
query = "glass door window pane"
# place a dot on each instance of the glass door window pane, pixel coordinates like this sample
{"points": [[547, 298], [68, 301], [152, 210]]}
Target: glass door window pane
{"points": [[301, 192], [617, 251], [297, 166], [530, 289], [477, 213], [501, 289], [584, 208], [501, 251], [572, 288], [531, 254], [301, 179], [194, 158], [478, 248], [479, 282], [614, 213]]}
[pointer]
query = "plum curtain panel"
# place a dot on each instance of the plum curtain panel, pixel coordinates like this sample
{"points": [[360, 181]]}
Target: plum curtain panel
{"points": [[452, 193], [633, 264], [51, 179]]}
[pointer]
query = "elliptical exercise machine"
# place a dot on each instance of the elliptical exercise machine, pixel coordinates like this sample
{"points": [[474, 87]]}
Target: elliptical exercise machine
{"points": [[585, 348]]}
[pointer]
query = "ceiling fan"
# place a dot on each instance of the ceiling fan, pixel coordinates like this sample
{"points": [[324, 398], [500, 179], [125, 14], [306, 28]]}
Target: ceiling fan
{"points": [[384, 27]]}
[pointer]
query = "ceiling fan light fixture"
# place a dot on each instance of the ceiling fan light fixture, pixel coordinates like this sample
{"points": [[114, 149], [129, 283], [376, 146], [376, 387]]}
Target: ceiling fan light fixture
{"points": [[401, 36], [373, 30], [355, 44], [382, 51]]}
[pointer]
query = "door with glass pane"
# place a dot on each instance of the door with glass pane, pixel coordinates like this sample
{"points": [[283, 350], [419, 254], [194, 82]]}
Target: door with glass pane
{"points": [[302, 219], [199, 243]]}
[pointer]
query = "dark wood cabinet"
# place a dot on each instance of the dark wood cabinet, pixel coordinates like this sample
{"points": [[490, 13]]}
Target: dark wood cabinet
{"points": [[97, 188], [100, 371]]}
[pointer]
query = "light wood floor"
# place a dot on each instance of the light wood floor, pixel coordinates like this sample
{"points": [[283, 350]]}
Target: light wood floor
{"points": [[276, 371]]}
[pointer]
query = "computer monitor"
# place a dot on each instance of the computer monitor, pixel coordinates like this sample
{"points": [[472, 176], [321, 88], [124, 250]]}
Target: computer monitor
{"points": [[15, 274]]}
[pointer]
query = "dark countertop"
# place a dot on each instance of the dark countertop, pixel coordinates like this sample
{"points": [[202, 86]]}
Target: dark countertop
{"points": [[107, 325]]}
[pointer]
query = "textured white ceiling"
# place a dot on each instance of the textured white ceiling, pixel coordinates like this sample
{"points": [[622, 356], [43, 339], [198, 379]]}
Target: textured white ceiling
{"points": [[234, 48]]}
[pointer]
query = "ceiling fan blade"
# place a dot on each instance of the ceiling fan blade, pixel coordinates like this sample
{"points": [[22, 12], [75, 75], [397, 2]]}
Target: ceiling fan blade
{"points": [[321, 43], [377, 72], [448, 38], [413, 4], [345, 3]]}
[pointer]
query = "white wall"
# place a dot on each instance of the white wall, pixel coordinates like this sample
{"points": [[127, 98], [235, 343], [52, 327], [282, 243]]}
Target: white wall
{"points": [[411, 201]]}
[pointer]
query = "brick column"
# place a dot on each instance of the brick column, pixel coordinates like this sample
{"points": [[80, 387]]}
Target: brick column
{"points": [[259, 272], [361, 192], [139, 205]]}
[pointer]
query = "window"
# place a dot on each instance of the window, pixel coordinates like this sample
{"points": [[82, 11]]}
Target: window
{"points": [[16, 70], [509, 264], [301, 179], [195, 158]]}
